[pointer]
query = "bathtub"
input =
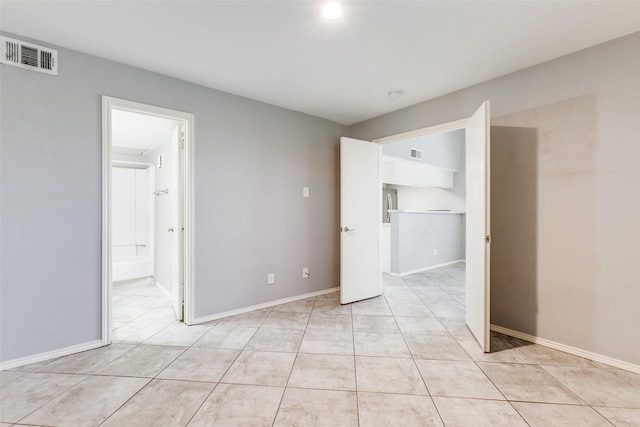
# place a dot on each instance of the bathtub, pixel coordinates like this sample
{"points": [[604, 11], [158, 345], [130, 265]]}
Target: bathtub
{"points": [[132, 268], [131, 262]]}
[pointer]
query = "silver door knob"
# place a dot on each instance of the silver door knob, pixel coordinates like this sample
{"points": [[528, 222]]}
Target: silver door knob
{"points": [[347, 229], [170, 230]]}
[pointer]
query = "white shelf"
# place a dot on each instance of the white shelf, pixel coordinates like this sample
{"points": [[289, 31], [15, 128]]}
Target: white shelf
{"points": [[426, 212]]}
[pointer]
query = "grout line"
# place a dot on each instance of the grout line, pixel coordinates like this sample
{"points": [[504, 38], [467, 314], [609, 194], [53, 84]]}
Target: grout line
{"points": [[202, 404], [228, 367], [562, 384], [127, 401], [602, 415], [405, 287], [52, 399], [295, 359], [433, 402], [355, 366]]}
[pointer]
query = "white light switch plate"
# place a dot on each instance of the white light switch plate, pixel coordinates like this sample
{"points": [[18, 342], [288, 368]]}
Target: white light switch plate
{"points": [[305, 191]]}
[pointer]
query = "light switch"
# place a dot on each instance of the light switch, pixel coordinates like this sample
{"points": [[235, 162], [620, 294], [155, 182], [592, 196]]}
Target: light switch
{"points": [[305, 191]]}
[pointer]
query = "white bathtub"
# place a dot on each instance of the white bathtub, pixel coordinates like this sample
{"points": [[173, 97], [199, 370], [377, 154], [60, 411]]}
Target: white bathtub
{"points": [[132, 268]]}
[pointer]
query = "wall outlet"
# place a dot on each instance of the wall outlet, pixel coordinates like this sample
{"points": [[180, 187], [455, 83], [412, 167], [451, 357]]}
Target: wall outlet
{"points": [[305, 273], [271, 278], [305, 191], [435, 251]]}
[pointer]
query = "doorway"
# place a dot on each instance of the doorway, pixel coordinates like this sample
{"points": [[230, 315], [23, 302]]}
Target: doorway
{"points": [[423, 178], [361, 216], [147, 217], [422, 241]]}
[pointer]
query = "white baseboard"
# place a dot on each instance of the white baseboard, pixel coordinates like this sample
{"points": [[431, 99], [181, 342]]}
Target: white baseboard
{"points": [[568, 349], [426, 268], [164, 290], [172, 298], [263, 305], [21, 361]]}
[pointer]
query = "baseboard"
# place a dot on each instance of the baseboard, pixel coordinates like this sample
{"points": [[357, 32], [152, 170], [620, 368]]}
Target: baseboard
{"points": [[263, 305], [172, 298], [21, 361], [568, 349], [406, 273], [164, 290]]}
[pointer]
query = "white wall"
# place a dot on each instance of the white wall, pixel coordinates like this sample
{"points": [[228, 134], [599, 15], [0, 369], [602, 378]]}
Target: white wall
{"points": [[123, 201], [443, 149], [565, 194], [130, 211], [430, 198], [433, 198], [132, 239], [167, 214]]}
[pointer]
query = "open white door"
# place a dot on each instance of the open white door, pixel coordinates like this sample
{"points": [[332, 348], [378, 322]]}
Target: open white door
{"points": [[360, 219], [478, 237], [177, 239]]}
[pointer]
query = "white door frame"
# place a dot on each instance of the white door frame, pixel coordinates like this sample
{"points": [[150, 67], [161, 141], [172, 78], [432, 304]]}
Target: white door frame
{"points": [[439, 128], [430, 130], [108, 105]]}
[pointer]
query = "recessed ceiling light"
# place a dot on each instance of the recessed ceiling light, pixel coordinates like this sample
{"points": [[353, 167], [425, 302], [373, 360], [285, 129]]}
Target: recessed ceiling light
{"points": [[395, 94], [331, 10]]}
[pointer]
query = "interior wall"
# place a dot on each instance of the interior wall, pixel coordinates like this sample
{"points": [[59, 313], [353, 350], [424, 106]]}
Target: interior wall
{"points": [[131, 219], [251, 162], [129, 207], [444, 149], [565, 223], [167, 214], [432, 198]]}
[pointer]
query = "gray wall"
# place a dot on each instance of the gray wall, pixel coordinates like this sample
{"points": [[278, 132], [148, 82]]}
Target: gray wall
{"points": [[444, 149], [414, 236], [251, 162], [565, 194]]}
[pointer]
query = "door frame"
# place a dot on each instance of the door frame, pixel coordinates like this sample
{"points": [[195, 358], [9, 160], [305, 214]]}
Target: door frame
{"points": [[430, 130], [187, 189]]}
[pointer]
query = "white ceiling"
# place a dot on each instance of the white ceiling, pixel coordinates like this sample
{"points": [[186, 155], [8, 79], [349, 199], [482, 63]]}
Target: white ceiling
{"points": [[140, 130], [285, 53]]}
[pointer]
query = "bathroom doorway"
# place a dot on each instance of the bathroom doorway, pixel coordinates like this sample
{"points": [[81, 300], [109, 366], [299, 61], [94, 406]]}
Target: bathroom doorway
{"points": [[146, 218]]}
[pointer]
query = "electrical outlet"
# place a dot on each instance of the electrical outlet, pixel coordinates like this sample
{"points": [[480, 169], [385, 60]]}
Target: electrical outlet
{"points": [[305, 191], [271, 278], [435, 251], [305, 273]]}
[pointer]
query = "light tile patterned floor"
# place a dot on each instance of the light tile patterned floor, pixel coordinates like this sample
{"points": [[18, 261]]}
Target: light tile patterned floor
{"points": [[403, 359]]}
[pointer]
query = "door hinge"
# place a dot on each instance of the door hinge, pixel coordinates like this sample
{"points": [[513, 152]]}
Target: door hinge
{"points": [[182, 320]]}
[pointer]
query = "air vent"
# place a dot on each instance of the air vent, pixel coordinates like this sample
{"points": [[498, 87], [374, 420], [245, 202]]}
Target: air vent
{"points": [[46, 60], [30, 56], [416, 154]]}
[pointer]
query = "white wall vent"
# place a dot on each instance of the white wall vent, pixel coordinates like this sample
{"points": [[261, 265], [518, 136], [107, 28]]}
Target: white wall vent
{"points": [[416, 154], [30, 56]]}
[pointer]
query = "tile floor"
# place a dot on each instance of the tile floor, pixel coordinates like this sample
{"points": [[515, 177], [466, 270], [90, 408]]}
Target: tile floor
{"points": [[403, 359]]}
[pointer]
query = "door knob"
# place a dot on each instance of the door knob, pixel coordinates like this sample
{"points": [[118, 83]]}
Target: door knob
{"points": [[170, 230], [347, 229]]}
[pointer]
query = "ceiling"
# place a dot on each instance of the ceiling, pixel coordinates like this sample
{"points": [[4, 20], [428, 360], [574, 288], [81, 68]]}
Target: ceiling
{"points": [[140, 130], [284, 53]]}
